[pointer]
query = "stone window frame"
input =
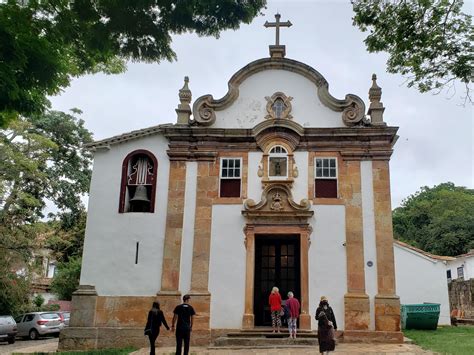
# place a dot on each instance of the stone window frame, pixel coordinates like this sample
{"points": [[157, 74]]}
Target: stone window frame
{"points": [[244, 172], [285, 114], [124, 186], [285, 155], [312, 155], [263, 170], [241, 169]]}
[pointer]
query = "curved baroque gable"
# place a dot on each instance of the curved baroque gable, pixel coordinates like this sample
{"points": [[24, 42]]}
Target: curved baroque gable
{"points": [[352, 106]]}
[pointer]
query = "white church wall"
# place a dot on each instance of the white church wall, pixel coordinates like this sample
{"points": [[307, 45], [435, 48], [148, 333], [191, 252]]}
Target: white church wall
{"points": [[300, 186], [111, 237], [368, 225], [421, 279], [187, 241], [327, 260], [249, 108], [254, 188], [227, 267]]}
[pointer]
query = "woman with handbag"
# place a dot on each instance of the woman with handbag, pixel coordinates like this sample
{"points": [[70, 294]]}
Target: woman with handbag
{"points": [[327, 327], [275, 308], [155, 319]]}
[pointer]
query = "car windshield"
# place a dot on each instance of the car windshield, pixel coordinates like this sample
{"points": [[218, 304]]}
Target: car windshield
{"points": [[49, 316], [67, 315]]}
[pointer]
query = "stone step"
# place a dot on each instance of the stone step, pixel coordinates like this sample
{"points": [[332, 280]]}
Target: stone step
{"points": [[263, 341], [258, 334]]}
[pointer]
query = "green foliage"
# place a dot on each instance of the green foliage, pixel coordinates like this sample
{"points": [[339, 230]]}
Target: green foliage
{"points": [[446, 340], [53, 307], [38, 301], [14, 289], [66, 281], [439, 220], [429, 41], [44, 44], [42, 158]]}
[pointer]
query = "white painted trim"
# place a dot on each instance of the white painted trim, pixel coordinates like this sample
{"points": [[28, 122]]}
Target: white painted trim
{"points": [[278, 155], [187, 243]]}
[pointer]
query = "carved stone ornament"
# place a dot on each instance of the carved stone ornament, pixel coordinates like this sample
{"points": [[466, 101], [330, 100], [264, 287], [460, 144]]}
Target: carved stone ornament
{"points": [[352, 106], [277, 206], [295, 171], [278, 106], [260, 170]]}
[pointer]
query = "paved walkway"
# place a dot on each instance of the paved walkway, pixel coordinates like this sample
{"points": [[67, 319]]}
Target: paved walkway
{"points": [[347, 349]]}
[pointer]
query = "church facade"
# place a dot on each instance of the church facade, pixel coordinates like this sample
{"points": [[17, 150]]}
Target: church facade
{"points": [[277, 183]]}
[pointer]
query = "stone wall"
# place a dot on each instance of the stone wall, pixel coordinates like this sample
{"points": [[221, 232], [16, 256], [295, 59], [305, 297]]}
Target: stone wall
{"points": [[461, 296]]}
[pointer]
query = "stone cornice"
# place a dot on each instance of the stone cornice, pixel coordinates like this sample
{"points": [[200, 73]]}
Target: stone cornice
{"points": [[352, 106]]}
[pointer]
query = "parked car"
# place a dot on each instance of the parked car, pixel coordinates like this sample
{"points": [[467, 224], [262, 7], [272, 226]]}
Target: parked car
{"points": [[65, 316], [35, 324], [8, 329]]}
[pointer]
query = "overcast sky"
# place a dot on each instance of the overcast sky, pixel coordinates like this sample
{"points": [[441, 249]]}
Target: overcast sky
{"points": [[436, 132]]}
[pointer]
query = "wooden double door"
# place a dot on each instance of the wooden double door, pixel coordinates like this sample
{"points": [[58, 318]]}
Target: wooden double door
{"points": [[277, 263]]}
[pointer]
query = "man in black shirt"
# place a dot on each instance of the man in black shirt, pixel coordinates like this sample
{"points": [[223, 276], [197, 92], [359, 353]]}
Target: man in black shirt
{"points": [[184, 314]]}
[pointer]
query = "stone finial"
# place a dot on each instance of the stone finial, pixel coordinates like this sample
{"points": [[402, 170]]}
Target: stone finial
{"points": [[376, 108], [184, 109]]}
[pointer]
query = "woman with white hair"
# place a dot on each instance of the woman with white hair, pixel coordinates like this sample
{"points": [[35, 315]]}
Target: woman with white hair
{"points": [[293, 307], [275, 308]]}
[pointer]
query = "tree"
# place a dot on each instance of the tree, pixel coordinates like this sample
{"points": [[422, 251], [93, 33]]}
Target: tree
{"points": [[439, 220], [429, 41], [44, 44], [67, 279], [42, 158]]}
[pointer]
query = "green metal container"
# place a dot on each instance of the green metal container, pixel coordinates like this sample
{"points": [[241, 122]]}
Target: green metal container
{"points": [[420, 316]]}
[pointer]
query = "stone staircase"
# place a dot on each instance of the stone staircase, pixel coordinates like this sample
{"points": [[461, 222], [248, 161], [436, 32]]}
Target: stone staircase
{"points": [[264, 338]]}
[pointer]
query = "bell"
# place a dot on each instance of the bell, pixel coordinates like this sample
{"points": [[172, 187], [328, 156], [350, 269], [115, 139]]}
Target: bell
{"points": [[140, 194]]}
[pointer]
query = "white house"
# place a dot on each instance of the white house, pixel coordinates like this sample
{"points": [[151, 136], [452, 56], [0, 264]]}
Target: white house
{"points": [[461, 267], [421, 277]]}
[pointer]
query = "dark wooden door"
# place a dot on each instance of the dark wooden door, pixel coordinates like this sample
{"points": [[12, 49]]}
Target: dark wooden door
{"points": [[277, 263]]}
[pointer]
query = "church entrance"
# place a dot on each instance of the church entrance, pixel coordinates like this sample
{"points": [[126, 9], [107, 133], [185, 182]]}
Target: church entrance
{"points": [[277, 263]]}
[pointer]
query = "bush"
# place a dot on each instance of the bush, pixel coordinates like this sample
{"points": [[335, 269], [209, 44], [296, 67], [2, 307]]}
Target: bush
{"points": [[66, 281]]}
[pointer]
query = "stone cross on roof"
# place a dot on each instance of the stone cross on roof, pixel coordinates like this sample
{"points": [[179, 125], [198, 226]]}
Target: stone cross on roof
{"points": [[277, 50]]}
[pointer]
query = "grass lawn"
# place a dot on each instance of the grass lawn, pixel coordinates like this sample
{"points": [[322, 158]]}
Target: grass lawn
{"points": [[124, 351], [445, 340]]}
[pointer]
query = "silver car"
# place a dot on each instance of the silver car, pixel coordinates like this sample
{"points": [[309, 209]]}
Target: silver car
{"points": [[8, 329], [36, 324]]}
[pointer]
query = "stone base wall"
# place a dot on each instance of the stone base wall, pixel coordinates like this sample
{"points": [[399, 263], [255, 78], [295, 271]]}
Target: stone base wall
{"points": [[387, 313], [367, 336], [461, 297]]}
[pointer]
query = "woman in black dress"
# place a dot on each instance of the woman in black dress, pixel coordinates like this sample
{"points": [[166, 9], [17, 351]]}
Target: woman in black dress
{"points": [[153, 324], [326, 326]]}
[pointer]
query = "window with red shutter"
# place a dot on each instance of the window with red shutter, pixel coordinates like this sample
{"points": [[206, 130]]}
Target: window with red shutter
{"points": [[230, 177], [325, 182]]}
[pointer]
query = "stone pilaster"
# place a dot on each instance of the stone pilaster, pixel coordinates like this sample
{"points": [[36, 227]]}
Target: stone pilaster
{"points": [[248, 320], [356, 301], [387, 303], [305, 317], [174, 228], [207, 191]]}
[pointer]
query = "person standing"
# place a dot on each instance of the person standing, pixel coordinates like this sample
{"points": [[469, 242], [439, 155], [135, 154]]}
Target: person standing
{"points": [[293, 307], [275, 308], [326, 326], [183, 318], [152, 328]]}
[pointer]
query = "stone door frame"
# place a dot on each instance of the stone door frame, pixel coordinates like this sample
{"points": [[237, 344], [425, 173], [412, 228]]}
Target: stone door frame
{"points": [[301, 230]]}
